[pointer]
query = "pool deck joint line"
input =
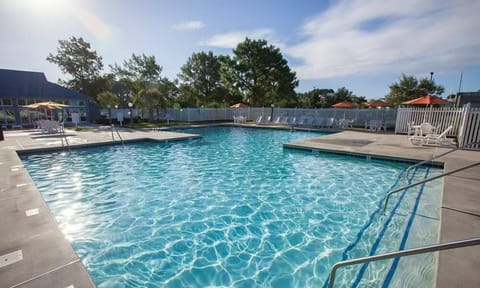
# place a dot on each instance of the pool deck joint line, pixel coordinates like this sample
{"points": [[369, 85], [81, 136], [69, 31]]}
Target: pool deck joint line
{"points": [[53, 261]]}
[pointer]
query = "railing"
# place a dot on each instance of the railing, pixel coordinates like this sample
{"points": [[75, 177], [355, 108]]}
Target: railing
{"points": [[436, 157], [414, 251], [425, 181], [64, 136], [118, 134]]}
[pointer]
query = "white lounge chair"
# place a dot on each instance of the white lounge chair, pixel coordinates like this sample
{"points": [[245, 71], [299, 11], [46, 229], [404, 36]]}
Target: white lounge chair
{"points": [[432, 139], [329, 123]]}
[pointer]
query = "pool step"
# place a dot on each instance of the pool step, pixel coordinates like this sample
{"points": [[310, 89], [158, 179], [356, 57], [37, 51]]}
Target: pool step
{"points": [[412, 229], [377, 235]]}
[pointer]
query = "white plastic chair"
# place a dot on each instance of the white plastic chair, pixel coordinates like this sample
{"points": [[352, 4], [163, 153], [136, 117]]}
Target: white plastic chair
{"points": [[426, 128], [411, 129]]}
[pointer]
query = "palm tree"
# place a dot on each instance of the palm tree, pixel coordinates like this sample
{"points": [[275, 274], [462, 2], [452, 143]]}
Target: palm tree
{"points": [[109, 100], [150, 99]]}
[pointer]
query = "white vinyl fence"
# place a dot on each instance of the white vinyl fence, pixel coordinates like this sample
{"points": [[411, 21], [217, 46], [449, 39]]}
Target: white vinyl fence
{"points": [[465, 121], [438, 117], [360, 116], [471, 129]]}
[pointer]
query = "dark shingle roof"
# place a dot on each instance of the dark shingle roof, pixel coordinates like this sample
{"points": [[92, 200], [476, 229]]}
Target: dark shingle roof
{"points": [[27, 84]]}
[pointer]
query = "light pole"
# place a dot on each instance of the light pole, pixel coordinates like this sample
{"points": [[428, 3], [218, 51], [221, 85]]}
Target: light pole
{"points": [[431, 76], [109, 113], [130, 105], [271, 112]]}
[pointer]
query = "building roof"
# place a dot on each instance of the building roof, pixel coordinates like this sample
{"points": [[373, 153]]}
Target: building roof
{"points": [[28, 84], [468, 97]]}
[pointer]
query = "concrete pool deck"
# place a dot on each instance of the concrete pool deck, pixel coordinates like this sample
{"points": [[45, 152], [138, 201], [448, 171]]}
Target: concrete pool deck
{"points": [[38, 255]]}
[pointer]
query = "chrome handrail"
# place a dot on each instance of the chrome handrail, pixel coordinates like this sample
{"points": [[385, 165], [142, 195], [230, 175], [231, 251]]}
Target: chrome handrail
{"points": [[436, 157], [64, 136], [424, 181], [118, 133], [413, 251]]}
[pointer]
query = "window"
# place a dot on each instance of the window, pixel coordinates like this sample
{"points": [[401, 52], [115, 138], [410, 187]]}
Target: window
{"points": [[30, 101], [21, 102], [83, 115], [7, 116], [7, 102], [25, 116], [81, 103]]}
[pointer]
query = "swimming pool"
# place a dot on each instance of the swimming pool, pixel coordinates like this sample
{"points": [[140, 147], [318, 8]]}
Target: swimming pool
{"points": [[234, 209]]}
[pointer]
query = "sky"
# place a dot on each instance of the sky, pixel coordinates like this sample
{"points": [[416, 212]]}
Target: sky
{"points": [[363, 45]]}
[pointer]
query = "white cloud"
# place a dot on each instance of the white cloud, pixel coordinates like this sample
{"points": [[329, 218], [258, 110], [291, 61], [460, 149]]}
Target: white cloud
{"points": [[232, 38], [370, 37], [189, 25]]}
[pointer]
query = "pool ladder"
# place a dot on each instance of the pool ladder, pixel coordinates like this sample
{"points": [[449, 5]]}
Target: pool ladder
{"points": [[425, 181], [436, 157], [114, 128], [64, 137], [407, 252], [414, 251]]}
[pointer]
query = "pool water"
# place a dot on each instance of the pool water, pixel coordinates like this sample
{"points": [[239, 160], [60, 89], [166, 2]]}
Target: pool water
{"points": [[232, 209]]}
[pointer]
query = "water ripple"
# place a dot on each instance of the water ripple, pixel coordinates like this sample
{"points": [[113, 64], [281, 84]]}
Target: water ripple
{"points": [[232, 209]]}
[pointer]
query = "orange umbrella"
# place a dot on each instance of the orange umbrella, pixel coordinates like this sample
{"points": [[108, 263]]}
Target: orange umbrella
{"points": [[239, 105], [344, 104], [378, 103], [427, 100]]}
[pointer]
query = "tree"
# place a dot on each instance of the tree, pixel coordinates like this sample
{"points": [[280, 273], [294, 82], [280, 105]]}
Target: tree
{"points": [[316, 98], [260, 74], [139, 68], [409, 88], [158, 97], [75, 57], [343, 94], [149, 99], [109, 100], [137, 74], [201, 79]]}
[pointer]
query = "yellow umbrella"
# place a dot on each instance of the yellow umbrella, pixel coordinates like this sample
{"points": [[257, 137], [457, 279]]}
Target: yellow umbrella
{"points": [[48, 105]]}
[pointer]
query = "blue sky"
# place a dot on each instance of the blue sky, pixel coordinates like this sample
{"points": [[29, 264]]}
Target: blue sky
{"points": [[364, 45]]}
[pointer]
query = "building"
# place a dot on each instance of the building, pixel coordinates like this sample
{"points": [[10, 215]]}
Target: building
{"points": [[468, 97], [20, 88]]}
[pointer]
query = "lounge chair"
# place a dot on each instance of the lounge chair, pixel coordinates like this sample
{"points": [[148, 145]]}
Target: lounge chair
{"points": [[432, 139], [292, 121], [329, 123]]}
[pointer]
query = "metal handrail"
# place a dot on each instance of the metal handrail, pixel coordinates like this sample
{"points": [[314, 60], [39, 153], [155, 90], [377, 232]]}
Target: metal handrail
{"points": [[64, 136], [424, 181], [118, 133], [436, 157], [413, 251]]}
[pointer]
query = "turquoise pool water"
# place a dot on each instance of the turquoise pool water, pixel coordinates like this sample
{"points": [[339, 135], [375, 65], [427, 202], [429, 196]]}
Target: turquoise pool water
{"points": [[233, 209]]}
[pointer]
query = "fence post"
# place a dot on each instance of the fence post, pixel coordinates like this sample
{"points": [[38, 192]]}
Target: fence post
{"points": [[461, 134]]}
